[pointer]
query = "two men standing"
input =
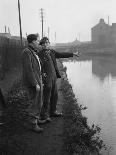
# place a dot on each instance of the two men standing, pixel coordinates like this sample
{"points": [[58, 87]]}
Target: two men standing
{"points": [[39, 65]]}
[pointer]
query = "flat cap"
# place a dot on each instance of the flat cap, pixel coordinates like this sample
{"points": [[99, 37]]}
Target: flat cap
{"points": [[32, 37]]}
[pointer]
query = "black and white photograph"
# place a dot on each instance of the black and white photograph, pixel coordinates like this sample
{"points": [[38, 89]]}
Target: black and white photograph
{"points": [[57, 77]]}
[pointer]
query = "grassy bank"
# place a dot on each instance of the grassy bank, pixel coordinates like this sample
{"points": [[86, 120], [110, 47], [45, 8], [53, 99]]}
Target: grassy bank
{"points": [[78, 136]]}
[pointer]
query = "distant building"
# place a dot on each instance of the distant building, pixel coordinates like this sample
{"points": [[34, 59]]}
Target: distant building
{"points": [[103, 34], [7, 38], [16, 39], [113, 32], [7, 35], [74, 43]]}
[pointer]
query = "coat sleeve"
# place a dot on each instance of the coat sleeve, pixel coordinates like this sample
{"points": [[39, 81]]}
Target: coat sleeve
{"points": [[28, 70], [63, 54]]}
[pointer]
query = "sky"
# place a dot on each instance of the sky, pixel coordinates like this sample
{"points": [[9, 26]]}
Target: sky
{"points": [[69, 19]]}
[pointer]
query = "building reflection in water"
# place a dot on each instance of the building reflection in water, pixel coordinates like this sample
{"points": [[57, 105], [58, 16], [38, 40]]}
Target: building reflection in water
{"points": [[94, 82], [103, 67]]}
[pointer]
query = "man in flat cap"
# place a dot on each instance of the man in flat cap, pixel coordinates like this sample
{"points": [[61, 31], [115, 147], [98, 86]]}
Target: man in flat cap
{"points": [[32, 80], [50, 74]]}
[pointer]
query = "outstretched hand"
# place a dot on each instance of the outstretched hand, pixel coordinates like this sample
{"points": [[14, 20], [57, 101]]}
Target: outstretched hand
{"points": [[77, 53]]}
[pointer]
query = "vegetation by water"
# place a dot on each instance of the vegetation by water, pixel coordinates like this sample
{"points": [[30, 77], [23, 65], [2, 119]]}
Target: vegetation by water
{"points": [[79, 137]]}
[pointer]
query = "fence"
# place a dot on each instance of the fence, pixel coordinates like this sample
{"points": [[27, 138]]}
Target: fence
{"points": [[10, 53]]}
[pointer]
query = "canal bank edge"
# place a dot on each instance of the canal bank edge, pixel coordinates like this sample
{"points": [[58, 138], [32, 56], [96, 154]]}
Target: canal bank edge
{"points": [[79, 137]]}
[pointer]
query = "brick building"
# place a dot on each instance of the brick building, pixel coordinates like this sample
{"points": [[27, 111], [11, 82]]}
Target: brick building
{"points": [[103, 34]]}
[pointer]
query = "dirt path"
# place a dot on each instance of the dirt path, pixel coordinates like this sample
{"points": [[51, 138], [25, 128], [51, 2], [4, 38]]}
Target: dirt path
{"points": [[27, 142], [50, 142]]}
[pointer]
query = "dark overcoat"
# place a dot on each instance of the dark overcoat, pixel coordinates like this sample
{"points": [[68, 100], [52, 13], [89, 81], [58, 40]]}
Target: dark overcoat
{"points": [[31, 77], [46, 65], [31, 69], [50, 74]]}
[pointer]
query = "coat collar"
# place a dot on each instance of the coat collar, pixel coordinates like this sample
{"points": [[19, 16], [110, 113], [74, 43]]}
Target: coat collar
{"points": [[32, 47]]}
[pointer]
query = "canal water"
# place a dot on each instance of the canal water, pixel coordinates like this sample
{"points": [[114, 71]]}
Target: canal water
{"points": [[94, 83]]}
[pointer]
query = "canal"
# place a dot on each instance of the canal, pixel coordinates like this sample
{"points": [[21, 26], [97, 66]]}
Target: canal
{"points": [[93, 80]]}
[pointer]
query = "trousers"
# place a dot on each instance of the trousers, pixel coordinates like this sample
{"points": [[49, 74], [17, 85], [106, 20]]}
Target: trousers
{"points": [[50, 97]]}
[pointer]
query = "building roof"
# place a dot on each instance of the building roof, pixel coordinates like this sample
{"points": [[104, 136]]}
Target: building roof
{"points": [[101, 21]]}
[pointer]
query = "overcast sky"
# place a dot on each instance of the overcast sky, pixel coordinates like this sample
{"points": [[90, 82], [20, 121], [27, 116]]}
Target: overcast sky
{"points": [[68, 18]]}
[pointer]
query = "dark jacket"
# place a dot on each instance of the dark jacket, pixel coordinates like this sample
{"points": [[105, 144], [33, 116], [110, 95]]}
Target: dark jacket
{"points": [[44, 59], [31, 68]]}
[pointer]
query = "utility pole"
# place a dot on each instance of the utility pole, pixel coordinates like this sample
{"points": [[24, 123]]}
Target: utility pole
{"points": [[44, 34], [108, 20], [55, 37], [8, 30], [79, 37], [42, 20], [20, 23], [38, 36], [48, 31], [5, 28]]}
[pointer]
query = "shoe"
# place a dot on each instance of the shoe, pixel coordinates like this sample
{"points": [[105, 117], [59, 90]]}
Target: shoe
{"points": [[40, 121], [45, 120], [56, 114], [48, 119], [37, 129]]}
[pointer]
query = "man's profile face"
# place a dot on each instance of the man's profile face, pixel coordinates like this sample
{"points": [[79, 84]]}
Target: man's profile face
{"points": [[46, 45], [36, 43]]}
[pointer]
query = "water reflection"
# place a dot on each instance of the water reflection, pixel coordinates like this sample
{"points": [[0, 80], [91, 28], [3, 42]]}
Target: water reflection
{"points": [[102, 67], [94, 82]]}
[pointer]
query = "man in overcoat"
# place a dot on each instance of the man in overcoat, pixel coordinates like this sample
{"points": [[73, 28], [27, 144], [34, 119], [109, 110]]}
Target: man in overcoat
{"points": [[50, 74], [32, 79]]}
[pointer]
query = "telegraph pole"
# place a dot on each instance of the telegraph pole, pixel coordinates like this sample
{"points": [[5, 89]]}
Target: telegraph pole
{"points": [[42, 20], [55, 37], [79, 37], [108, 21], [38, 36], [5, 29], [48, 31], [20, 23], [44, 34], [8, 30]]}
